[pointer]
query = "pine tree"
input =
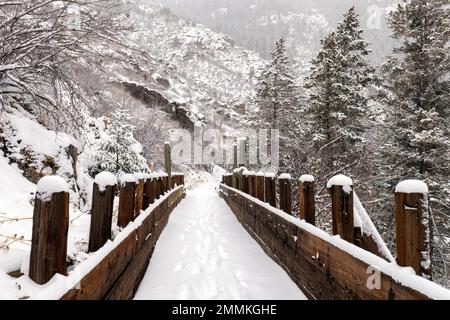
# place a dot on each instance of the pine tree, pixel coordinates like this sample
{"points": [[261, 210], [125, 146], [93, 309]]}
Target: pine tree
{"points": [[337, 95], [277, 94], [416, 98], [118, 152], [277, 97]]}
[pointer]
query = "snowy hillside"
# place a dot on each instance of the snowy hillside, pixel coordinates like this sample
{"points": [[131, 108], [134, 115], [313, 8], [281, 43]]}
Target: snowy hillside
{"points": [[256, 24], [174, 63]]}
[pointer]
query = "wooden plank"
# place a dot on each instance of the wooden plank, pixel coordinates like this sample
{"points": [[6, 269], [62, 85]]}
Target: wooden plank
{"points": [[99, 280], [342, 213], [49, 237], [285, 195], [413, 248], [126, 204], [307, 205], [259, 186], [119, 273], [139, 198], [101, 216], [319, 268], [270, 191]]}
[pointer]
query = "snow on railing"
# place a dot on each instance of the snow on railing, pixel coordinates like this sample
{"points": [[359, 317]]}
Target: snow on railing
{"points": [[51, 215], [349, 218]]}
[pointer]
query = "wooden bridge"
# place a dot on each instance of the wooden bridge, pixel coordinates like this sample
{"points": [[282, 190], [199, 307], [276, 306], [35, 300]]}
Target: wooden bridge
{"points": [[353, 263]]}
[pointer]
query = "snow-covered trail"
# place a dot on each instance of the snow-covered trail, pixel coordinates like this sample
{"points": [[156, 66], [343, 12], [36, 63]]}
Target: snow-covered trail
{"points": [[204, 253]]}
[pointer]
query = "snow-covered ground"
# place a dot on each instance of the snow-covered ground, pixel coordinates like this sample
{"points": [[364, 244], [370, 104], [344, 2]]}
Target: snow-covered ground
{"points": [[204, 253]]}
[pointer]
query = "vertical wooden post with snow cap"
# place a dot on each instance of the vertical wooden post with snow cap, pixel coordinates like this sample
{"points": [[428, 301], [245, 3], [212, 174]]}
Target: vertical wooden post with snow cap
{"points": [[251, 183], [168, 163], [103, 194], [284, 181], [165, 183], [236, 178], [159, 186], [306, 194], [50, 227], [245, 181], [139, 197], [270, 189], [146, 200], [259, 185], [127, 199], [341, 191], [412, 223], [153, 192]]}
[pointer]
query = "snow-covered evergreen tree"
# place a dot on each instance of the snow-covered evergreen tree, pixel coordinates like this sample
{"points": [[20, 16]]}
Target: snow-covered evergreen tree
{"points": [[337, 96], [417, 101], [118, 151], [278, 99], [277, 94]]}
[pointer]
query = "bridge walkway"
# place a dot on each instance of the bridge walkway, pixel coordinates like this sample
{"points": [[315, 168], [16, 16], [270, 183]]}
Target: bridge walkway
{"points": [[204, 253]]}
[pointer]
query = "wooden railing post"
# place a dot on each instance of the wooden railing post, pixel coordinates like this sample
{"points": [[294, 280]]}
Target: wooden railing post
{"points": [[159, 186], [413, 231], [165, 183], [139, 197], [168, 163], [245, 181], [270, 189], [103, 195], [127, 200], [341, 191], [236, 178], [259, 185], [241, 179], [153, 189], [307, 205], [284, 181], [147, 193], [251, 183], [50, 227]]}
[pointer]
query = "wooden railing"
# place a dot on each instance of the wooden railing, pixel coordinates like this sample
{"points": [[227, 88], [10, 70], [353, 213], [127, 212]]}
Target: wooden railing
{"points": [[145, 202], [354, 265]]}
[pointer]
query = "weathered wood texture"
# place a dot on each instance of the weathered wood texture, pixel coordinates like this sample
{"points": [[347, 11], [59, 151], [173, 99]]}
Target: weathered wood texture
{"points": [[146, 199], [320, 269], [49, 238], [159, 187], [342, 213], [270, 191], [285, 195], [413, 232], [139, 197], [101, 216], [259, 185], [307, 204], [126, 204], [118, 275], [165, 184]]}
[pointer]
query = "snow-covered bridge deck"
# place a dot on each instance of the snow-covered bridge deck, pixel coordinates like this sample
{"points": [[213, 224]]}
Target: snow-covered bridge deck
{"points": [[205, 253]]}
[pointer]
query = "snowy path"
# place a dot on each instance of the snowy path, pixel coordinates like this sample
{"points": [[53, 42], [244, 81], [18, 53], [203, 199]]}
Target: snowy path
{"points": [[204, 253]]}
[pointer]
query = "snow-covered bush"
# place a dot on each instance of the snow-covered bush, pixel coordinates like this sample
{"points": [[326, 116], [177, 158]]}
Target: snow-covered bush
{"points": [[117, 151]]}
